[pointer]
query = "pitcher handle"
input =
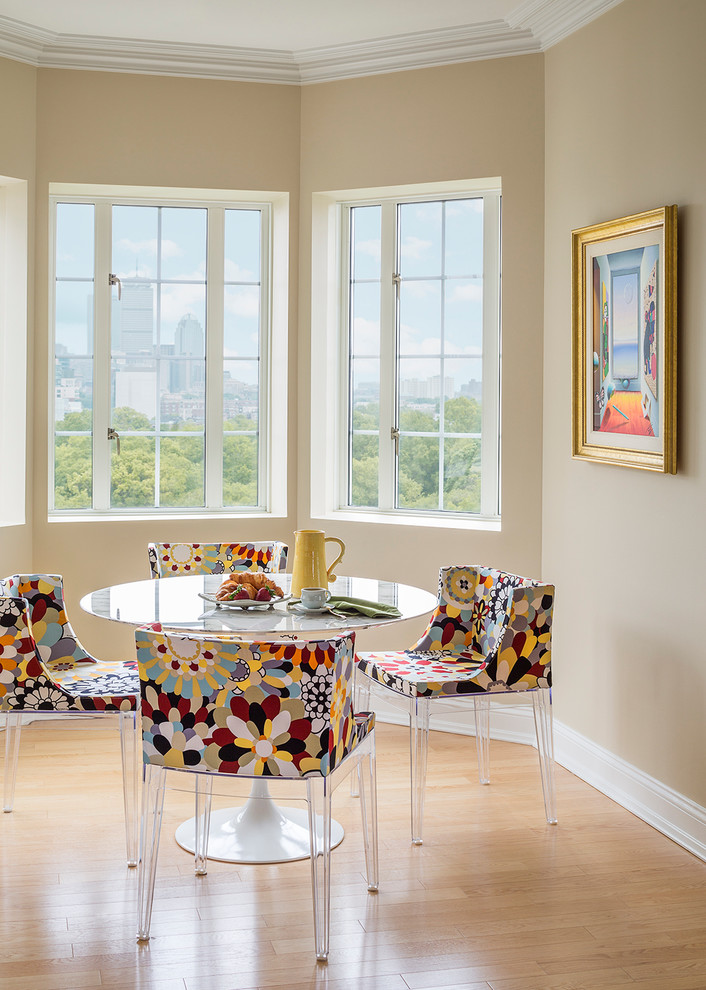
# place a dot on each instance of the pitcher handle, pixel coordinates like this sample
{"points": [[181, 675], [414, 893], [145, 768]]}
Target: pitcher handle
{"points": [[330, 576]]}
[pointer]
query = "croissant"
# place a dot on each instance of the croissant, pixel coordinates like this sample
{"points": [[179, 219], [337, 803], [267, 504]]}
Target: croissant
{"points": [[250, 580]]}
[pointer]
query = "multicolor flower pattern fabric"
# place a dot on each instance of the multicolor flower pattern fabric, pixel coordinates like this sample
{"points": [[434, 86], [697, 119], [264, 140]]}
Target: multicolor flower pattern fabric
{"points": [[257, 709], [43, 667], [172, 559], [490, 632]]}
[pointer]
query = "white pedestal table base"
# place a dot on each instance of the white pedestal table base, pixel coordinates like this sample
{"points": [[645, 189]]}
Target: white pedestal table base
{"points": [[258, 832]]}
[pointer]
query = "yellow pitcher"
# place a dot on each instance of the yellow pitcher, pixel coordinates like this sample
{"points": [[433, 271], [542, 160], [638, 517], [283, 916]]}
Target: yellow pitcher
{"points": [[309, 569]]}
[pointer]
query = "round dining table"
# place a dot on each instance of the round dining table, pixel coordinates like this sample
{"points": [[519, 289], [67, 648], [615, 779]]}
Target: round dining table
{"points": [[259, 831]]}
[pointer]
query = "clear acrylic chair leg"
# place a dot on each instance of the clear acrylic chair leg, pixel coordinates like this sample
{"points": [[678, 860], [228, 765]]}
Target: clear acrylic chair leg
{"points": [[543, 723], [128, 754], [481, 707], [13, 726], [318, 794], [152, 808], [418, 747], [369, 813], [203, 790], [361, 703]]}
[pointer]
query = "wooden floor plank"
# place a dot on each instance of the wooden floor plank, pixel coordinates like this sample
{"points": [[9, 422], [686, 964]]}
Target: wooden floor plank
{"points": [[494, 900]]}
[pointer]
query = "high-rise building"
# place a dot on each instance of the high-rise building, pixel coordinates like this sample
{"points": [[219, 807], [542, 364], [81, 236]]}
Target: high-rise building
{"points": [[188, 343], [137, 318]]}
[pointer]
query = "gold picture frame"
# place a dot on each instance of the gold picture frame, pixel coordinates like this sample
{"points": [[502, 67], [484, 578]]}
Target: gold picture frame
{"points": [[624, 360]]}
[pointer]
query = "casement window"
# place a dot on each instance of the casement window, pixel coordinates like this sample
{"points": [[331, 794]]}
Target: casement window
{"points": [[162, 379], [419, 354]]}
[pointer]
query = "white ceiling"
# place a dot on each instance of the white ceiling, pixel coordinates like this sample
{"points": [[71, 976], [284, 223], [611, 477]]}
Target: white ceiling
{"points": [[282, 40]]}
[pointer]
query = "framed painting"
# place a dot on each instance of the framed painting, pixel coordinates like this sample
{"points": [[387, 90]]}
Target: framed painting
{"points": [[624, 362]]}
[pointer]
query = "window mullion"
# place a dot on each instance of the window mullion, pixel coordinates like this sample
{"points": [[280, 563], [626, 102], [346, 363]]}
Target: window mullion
{"points": [[388, 355], [102, 375], [265, 468], [490, 406], [215, 278], [345, 385]]}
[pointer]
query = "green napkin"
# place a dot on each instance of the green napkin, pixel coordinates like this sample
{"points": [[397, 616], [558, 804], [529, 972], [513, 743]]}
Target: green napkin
{"points": [[359, 606]]}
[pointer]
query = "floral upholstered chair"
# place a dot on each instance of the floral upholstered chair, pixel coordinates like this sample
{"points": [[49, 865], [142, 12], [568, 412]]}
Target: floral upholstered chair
{"points": [[490, 634], [263, 711], [45, 670], [179, 559]]}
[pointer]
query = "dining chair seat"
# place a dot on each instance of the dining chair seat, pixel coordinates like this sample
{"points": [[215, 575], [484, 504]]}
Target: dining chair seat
{"points": [[45, 671], [265, 711], [489, 635]]}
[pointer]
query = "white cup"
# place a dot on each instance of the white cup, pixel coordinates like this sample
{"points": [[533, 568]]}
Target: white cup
{"points": [[314, 598]]}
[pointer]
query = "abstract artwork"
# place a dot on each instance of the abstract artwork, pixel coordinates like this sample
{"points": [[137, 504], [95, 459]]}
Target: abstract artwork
{"points": [[624, 341]]}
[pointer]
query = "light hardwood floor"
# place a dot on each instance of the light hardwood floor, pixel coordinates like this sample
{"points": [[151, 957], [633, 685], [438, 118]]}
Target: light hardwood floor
{"points": [[495, 898]]}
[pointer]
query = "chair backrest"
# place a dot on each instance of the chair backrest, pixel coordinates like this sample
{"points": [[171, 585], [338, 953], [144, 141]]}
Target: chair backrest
{"points": [[19, 662], [56, 641], [174, 559], [255, 709], [472, 609]]}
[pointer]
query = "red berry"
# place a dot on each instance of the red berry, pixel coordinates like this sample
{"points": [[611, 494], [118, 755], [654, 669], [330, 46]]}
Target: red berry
{"points": [[263, 595], [240, 592]]}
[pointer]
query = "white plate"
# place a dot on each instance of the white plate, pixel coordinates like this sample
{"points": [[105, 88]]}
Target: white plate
{"points": [[242, 602]]}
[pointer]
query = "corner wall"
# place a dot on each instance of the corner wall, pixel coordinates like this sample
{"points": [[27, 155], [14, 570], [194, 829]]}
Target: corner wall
{"points": [[625, 133]]}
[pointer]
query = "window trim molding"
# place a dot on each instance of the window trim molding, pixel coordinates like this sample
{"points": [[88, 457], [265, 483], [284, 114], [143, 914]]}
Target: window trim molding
{"points": [[274, 355], [328, 378], [13, 347]]}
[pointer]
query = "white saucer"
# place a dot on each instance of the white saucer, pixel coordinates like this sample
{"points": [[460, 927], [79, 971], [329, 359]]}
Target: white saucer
{"points": [[296, 607]]}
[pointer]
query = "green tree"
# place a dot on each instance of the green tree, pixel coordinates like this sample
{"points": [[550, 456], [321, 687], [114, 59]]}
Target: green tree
{"points": [[364, 470], [414, 421], [240, 471], [462, 415], [366, 417]]}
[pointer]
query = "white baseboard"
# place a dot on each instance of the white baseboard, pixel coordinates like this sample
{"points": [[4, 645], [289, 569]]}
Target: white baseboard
{"points": [[672, 814], [676, 816]]}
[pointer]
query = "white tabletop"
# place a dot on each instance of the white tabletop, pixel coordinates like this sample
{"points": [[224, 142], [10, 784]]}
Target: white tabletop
{"points": [[175, 603]]}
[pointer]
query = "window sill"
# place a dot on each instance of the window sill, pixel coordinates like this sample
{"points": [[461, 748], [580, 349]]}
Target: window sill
{"points": [[491, 524], [158, 514]]}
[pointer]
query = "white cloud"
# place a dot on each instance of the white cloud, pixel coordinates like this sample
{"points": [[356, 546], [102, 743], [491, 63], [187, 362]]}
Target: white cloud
{"points": [[242, 301], [178, 300], [371, 248], [170, 249], [466, 291], [457, 209], [414, 247], [366, 336], [413, 341], [234, 273]]}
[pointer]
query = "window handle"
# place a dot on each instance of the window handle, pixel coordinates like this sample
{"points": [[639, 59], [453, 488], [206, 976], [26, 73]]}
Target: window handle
{"points": [[395, 435], [114, 280], [114, 435]]}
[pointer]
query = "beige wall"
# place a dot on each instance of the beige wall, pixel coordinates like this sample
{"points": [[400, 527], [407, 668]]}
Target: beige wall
{"points": [[624, 133], [99, 127], [17, 157], [621, 105], [458, 122]]}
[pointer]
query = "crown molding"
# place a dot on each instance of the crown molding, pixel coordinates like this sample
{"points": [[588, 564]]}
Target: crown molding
{"points": [[530, 28], [48, 50], [551, 21], [421, 50]]}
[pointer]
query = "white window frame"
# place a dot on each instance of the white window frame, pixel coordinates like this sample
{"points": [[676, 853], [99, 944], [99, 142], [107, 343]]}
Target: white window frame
{"points": [[330, 378], [273, 345]]}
